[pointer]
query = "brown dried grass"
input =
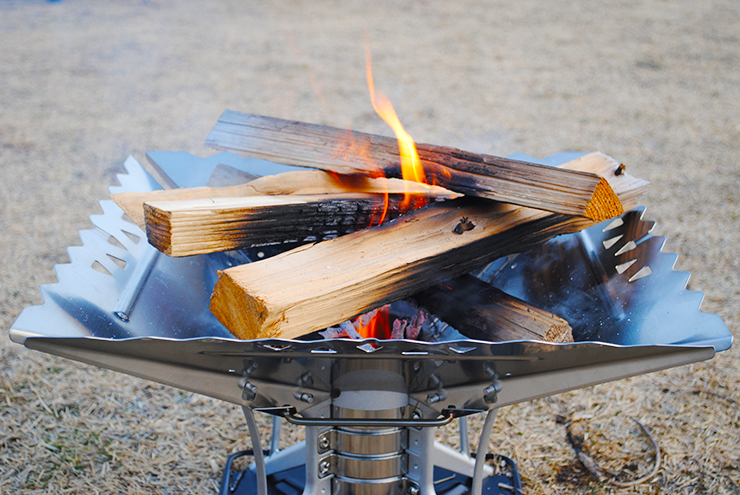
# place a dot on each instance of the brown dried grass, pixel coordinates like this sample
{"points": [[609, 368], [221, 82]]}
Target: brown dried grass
{"points": [[654, 84]]}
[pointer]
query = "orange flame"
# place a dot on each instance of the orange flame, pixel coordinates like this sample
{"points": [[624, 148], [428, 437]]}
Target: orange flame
{"points": [[374, 325], [351, 148], [411, 168]]}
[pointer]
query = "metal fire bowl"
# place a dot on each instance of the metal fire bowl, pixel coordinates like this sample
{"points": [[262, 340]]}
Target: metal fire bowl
{"points": [[151, 319]]}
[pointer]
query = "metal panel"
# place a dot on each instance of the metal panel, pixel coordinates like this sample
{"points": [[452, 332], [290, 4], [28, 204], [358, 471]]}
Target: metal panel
{"points": [[169, 335]]}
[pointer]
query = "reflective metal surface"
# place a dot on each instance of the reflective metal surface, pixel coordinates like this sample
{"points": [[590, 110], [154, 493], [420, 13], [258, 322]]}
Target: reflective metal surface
{"points": [[612, 283], [369, 469], [364, 401], [368, 460], [369, 442], [159, 296], [628, 325]]}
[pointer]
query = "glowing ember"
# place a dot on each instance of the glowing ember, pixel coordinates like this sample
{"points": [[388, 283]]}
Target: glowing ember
{"points": [[411, 167], [379, 324], [374, 324]]}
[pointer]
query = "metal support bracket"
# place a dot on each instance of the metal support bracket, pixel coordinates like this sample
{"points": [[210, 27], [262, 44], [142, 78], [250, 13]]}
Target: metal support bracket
{"points": [[290, 415]]}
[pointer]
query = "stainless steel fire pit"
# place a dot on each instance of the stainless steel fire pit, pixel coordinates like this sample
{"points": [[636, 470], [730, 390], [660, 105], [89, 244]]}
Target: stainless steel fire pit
{"points": [[369, 407]]}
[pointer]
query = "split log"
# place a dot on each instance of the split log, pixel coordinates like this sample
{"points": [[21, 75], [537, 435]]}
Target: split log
{"points": [[314, 287], [480, 311], [299, 182], [557, 190], [199, 226]]}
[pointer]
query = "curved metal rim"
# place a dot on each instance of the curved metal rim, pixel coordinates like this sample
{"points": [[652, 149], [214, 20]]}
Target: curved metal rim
{"points": [[319, 348]]}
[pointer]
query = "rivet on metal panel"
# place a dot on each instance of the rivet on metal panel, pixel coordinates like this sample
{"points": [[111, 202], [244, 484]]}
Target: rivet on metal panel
{"points": [[304, 397], [324, 467], [324, 442]]}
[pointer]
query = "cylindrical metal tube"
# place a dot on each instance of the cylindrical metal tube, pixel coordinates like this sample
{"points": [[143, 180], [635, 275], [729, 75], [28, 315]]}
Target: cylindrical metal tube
{"points": [[348, 487], [370, 442], [370, 468], [370, 460]]}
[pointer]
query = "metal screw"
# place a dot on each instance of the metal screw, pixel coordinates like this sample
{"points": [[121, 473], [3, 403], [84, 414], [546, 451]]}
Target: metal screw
{"points": [[305, 397], [416, 415], [249, 367], [249, 392], [413, 489], [490, 393], [306, 379], [324, 467], [493, 388], [490, 370], [324, 443]]}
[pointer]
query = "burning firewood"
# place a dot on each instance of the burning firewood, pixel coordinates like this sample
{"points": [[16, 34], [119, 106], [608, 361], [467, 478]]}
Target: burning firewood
{"points": [[569, 192], [314, 287], [185, 228], [299, 182], [481, 311]]}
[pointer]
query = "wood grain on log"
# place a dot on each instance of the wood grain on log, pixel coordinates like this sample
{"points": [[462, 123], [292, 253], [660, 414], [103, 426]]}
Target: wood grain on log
{"points": [[569, 192], [199, 226], [480, 311], [300, 182], [313, 287]]}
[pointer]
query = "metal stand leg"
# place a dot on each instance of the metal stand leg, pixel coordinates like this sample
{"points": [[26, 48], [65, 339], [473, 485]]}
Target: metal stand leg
{"points": [[420, 467], [285, 459], [455, 461], [277, 422], [464, 439], [480, 459], [315, 483], [432, 468], [259, 459]]}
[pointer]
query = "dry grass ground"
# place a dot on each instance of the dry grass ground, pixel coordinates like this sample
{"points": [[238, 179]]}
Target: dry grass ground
{"points": [[655, 84]]}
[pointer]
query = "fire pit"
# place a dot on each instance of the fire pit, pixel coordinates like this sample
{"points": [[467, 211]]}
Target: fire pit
{"points": [[369, 407]]}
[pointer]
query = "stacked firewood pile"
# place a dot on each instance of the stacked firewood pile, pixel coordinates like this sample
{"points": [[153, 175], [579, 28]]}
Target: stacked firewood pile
{"points": [[365, 237]]}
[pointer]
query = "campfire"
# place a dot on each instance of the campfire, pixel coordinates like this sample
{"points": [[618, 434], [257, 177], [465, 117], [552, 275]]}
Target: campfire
{"points": [[362, 294], [364, 229], [300, 264], [376, 220]]}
